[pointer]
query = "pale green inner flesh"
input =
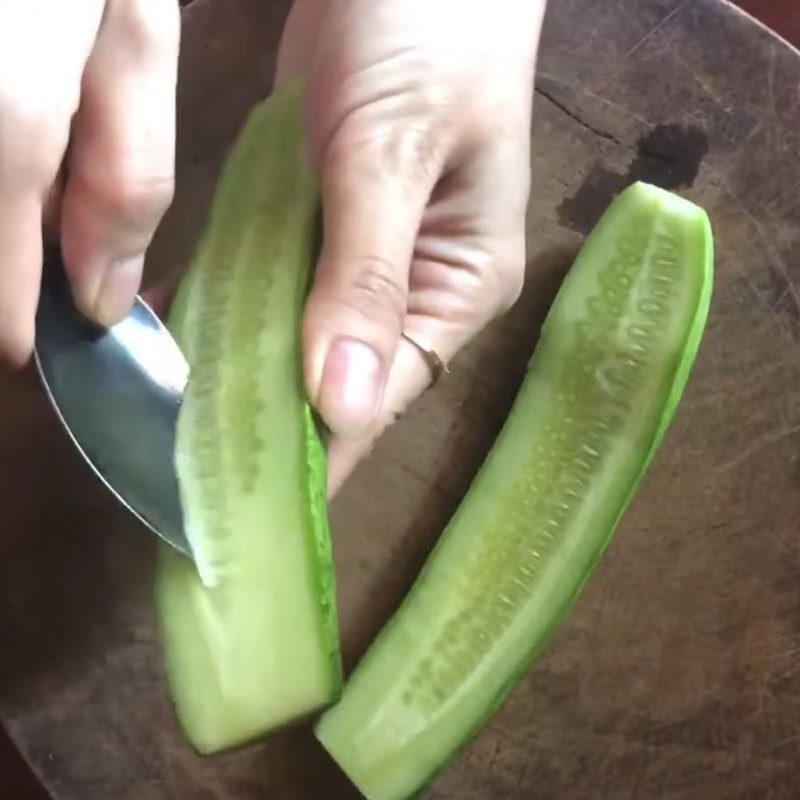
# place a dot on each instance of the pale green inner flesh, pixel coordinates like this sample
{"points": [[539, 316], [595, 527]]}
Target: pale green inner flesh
{"points": [[256, 645], [596, 400]]}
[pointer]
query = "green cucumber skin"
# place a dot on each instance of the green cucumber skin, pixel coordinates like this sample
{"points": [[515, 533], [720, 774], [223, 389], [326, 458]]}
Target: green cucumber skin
{"points": [[334, 736], [317, 461], [264, 175]]}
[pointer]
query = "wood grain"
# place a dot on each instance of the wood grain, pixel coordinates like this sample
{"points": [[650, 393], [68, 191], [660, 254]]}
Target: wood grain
{"points": [[677, 675]]}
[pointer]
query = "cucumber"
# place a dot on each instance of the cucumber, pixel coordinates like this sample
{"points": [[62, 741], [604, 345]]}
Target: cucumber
{"points": [[601, 389], [250, 638]]}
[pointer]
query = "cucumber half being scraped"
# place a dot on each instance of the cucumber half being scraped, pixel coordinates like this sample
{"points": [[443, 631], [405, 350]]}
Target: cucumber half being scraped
{"points": [[251, 643], [602, 387]]}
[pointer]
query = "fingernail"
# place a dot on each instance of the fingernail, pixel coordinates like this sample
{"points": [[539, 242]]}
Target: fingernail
{"points": [[351, 387], [116, 291]]}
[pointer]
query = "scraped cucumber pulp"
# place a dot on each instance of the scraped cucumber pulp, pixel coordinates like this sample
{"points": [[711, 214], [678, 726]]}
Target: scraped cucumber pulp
{"points": [[603, 384], [251, 641]]}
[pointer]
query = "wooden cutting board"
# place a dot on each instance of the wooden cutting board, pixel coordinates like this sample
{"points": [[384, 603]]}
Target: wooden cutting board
{"points": [[678, 675]]}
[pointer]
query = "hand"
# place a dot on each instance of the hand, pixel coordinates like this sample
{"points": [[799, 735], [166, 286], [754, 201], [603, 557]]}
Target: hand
{"points": [[419, 122], [100, 76]]}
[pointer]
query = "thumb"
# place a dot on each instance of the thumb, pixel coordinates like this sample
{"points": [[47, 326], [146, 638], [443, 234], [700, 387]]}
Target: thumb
{"points": [[356, 308]]}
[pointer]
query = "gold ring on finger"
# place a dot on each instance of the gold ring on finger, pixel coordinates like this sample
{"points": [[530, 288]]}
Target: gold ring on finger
{"points": [[432, 359]]}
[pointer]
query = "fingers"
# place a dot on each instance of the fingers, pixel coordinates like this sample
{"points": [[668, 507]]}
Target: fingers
{"points": [[20, 270], [468, 267], [122, 159], [24, 185], [35, 111], [372, 208], [408, 378]]}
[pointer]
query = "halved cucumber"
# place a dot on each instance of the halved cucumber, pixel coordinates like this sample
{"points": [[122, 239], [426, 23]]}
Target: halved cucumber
{"points": [[614, 356], [254, 644]]}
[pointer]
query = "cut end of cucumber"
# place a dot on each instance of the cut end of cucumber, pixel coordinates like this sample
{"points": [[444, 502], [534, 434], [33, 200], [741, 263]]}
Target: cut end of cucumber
{"points": [[602, 387]]}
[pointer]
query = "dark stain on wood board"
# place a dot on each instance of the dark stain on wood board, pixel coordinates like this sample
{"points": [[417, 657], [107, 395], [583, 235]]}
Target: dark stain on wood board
{"points": [[668, 156]]}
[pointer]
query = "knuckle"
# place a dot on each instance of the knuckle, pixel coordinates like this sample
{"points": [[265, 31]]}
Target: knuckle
{"points": [[414, 155], [376, 289], [418, 154], [142, 201], [408, 152]]}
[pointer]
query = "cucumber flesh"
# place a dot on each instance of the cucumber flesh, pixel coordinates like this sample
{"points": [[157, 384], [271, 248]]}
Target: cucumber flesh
{"points": [[250, 642], [602, 387]]}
